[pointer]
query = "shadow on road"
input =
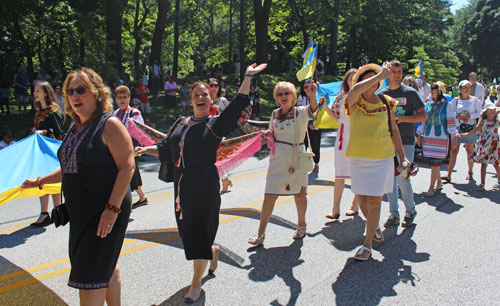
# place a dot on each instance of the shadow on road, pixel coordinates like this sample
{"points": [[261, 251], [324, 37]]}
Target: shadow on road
{"points": [[19, 237], [440, 201], [345, 235], [18, 287], [366, 283], [265, 264], [178, 297]]}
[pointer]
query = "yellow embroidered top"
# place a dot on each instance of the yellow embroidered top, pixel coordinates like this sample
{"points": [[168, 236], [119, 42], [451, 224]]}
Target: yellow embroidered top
{"points": [[370, 137]]}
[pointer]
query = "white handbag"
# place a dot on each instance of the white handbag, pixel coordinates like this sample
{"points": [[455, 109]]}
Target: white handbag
{"points": [[305, 161]]}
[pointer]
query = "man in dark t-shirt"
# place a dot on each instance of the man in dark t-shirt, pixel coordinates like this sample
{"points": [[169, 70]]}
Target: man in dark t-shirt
{"points": [[410, 110]]}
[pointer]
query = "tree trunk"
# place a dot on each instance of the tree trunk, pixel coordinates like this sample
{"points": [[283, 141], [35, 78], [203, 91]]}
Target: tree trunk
{"points": [[175, 62], [28, 50], [161, 22], [82, 51], [138, 24], [261, 13], [334, 27], [60, 53], [353, 47], [242, 38], [114, 33], [230, 53]]}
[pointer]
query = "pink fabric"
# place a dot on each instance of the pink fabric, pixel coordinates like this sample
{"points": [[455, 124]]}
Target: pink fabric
{"points": [[138, 134], [270, 143], [240, 155]]}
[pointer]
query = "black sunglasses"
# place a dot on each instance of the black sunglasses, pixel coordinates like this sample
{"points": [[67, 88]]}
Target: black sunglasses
{"points": [[213, 85], [281, 94], [79, 90]]}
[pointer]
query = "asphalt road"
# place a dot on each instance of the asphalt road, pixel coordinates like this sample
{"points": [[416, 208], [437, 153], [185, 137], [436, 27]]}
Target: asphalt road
{"points": [[450, 257]]}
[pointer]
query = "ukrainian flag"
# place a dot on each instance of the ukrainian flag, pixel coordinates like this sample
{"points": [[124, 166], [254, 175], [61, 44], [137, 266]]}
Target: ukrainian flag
{"points": [[309, 67], [419, 70], [29, 158], [308, 51]]}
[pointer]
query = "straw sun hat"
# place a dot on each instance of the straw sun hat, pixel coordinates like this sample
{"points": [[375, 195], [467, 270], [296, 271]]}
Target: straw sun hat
{"points": [[376, 68]]}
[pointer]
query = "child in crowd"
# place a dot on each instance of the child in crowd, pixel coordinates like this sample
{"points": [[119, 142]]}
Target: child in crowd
{"points": [[487, 149]]}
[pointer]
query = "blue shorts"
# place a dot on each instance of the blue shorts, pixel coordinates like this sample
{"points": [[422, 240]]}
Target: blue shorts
{"points": [[471, 139]]}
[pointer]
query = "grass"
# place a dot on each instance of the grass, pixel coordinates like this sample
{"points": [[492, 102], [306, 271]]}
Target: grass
{"points": [[22, 125]]}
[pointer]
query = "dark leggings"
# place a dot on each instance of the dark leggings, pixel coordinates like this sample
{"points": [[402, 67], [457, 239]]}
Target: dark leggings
{"points": [[315, 143]]}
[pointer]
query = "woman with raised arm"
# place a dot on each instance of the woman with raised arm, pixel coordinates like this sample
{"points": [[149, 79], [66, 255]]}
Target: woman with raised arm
{"points": [[374, 136], [190, 151], [288, 126], [342, 163]]}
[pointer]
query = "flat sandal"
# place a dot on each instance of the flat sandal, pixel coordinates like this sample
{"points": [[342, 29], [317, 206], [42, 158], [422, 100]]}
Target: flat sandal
{"points": [[300, 232]]}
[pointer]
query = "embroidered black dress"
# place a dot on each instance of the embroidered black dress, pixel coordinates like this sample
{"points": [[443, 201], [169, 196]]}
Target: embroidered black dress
{"points": [[190, 151], [49, 121], [88, 176]]}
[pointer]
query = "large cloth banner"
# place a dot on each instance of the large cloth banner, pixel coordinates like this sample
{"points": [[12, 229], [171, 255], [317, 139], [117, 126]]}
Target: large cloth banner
{"points": [[30, 157]]}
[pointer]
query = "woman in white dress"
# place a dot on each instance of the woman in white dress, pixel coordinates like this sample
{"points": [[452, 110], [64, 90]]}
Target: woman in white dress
{"points": [[342, 163], [288, 125]]}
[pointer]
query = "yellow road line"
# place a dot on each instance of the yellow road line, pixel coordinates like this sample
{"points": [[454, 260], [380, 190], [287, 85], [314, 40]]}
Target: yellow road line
{"points": [[134, 249], [15, 225], [152, 235]]}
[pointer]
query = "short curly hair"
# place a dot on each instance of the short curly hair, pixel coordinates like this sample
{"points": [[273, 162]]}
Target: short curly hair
{"points": [[95, 85], [287, 85]]}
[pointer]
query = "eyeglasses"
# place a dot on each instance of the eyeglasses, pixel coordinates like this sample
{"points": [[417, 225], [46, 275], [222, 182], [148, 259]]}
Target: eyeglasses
{"points": [[281, 94], [306, 87], [122, 97], [434, 88], [213, 85], [79, 90]]}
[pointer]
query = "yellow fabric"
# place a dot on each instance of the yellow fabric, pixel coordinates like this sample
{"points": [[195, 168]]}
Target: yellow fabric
{"points": [[370, 137], [323, 121], [307, 71], [19, 193]]}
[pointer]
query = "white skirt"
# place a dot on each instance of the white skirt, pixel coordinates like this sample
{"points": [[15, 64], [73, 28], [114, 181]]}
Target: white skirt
{"points": [[372, 177]]}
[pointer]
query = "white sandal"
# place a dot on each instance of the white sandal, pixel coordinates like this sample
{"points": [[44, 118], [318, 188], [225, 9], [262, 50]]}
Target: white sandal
{"points": [[361, 251], [379, 236], [257, 239], [300, 232]]}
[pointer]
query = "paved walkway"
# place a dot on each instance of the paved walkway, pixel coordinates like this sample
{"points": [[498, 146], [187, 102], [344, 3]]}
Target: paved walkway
{"points": [[448, 258]]}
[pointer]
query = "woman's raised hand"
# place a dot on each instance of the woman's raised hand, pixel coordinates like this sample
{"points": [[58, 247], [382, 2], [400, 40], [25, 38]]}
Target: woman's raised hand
{"points": [[140, 150], [311, 90], [386, 70], [254, 69]]}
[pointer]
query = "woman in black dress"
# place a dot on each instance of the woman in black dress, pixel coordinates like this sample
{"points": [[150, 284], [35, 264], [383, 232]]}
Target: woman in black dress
{"points": [[190, 151], [97, 163], [48, 122]]}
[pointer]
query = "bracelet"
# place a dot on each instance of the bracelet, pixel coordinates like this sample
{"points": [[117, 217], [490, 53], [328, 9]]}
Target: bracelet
{"points": [[39, 183], [113, 208], [249, 75]]}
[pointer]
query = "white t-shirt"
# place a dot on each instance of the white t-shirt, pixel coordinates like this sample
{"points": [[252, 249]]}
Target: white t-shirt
{"points": [[169, 85], [479, 92], [472, 105], [303, 101]]}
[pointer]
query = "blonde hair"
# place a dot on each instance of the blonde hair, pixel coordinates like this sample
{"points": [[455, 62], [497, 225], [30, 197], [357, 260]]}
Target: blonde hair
{"points": [[286, 85], [95, 85]]}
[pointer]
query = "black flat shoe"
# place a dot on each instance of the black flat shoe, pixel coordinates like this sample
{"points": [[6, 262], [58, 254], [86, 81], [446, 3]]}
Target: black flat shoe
{"points": [[45, 222], [189, 301], [140, 203], [333, 217]]}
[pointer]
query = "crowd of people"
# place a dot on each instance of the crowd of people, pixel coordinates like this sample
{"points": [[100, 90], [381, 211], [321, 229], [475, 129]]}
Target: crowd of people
{"points": [[374, 148]]}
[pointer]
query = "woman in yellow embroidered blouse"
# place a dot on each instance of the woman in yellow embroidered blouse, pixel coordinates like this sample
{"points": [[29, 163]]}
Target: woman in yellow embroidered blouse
{"points": [[371, 147]]}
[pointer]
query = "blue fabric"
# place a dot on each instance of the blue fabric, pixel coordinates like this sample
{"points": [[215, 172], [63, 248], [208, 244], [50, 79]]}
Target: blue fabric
{"points": [[30, 157], [329, 91], [404, 186]]}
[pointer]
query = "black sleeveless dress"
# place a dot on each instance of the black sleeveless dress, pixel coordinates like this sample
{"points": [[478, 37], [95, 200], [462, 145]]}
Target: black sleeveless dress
{"points": [[191, 152], [88, 176]]}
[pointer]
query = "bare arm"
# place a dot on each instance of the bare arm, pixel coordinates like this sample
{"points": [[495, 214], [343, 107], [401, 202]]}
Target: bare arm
{"points": [[151, 150], [418, 117], [396, 139], [362, 86], [329, 111], [53, 177], [474, 130], [252, 70], [311, 92], [116, 137]]}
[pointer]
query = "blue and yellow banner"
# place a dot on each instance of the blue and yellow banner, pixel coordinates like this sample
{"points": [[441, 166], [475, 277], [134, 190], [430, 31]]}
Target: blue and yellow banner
{"points": [[31, 157]]}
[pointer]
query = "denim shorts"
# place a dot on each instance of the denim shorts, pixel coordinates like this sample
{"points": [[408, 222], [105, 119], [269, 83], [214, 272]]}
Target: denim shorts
{"points": [[471, 139]]}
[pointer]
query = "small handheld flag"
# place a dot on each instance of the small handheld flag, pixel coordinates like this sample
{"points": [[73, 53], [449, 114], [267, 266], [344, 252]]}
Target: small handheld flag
{"points": [[309, 67], [419, 70]]}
